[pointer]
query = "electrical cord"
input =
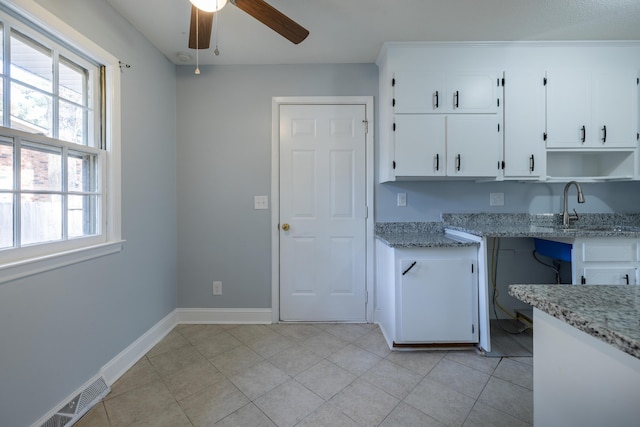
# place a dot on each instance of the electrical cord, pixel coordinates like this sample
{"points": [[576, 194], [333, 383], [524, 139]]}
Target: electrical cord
{"points": [[494, 276], [555, 266]]}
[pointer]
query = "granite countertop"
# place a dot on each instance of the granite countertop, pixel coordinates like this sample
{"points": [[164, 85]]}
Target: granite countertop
{"points": [[416, 235], [544, 225], [609, 313]]}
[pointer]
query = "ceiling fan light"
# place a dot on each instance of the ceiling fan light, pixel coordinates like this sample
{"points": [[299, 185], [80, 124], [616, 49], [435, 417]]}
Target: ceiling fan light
{"points": [[209, 5]]}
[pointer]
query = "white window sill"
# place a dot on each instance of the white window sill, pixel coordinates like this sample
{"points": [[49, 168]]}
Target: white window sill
{"points": [[28, 267]]}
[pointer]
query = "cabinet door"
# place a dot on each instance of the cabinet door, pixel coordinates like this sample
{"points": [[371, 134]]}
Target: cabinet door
{"points": [[472, 92], [609, 276], [568, 109], [419, 145], [524, 124], [473, 145], [418, 92], [438, 301], [615, 109]]}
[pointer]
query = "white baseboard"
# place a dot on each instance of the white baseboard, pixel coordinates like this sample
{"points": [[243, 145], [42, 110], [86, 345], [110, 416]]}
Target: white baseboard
{"points": [[128, 357], [224, 315]]}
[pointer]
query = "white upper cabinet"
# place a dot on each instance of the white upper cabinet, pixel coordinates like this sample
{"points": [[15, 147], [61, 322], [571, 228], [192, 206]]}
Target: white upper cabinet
{"points": [[420, 146], [592, 109], [456, 145], [524, 124], [473, 145], [429, 92]]}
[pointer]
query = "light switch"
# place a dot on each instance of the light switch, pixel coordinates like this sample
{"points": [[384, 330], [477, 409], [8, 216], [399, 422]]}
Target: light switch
{"points": [[261, 202], [402, 199]]}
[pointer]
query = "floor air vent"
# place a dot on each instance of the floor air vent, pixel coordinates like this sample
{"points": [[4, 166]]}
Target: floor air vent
{"points": [[79, 405]]}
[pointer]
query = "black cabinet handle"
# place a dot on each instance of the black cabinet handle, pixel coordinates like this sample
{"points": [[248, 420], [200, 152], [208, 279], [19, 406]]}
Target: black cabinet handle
{"points": [[458, 162], [437, 100], [410, 267], [456, 98], [626, 276], [604, 134], [532, 163], [437, 161], [583, 130]]}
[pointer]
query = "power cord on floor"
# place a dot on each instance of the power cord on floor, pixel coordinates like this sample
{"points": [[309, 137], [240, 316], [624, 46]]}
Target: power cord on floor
{"points": [[494, 276]]}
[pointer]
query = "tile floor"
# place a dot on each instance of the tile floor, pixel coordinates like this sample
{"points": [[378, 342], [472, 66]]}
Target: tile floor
{"points": [[312, 375]]}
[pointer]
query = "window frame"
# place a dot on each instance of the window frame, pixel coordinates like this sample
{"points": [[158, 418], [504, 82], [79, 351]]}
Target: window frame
{"points": [[24, 261]]}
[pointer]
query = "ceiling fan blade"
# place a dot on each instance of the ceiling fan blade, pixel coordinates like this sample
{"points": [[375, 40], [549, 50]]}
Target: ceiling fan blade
{"points": [[273, 19], [204, 28]]}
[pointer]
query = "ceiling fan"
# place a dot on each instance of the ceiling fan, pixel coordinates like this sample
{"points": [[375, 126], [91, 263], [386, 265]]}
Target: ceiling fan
{"points": [[202, 12]]}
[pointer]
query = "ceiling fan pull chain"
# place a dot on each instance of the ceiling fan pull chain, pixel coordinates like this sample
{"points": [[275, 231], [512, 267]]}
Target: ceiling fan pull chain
{"points": [[215, 17], [197, 37]]}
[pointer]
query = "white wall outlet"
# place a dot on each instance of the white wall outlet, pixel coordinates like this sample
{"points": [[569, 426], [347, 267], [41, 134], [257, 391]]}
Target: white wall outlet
{"points": [[496, 199], [217, 288], [402, 199], [261, 202]]}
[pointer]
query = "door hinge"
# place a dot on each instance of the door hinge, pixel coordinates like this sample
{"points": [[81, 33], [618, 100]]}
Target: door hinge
{"points": [[503, 80], [544, 81], [498, 82], [638, 136], [473, 328], [366, 126], [366, 212], [366, 297], [393, 102], [498, 101], [394, 164], [472, 268], [544, 136], [393, 82], [583, 280], [638, 80], [498, 127], [394, 127]]}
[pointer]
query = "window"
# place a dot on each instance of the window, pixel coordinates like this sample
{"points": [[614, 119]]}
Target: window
{"points": [[55, 161]]}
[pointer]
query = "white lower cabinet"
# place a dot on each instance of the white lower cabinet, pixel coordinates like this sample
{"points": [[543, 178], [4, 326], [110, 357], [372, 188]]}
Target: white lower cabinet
{"points": [[605, 261], [428, 295]]}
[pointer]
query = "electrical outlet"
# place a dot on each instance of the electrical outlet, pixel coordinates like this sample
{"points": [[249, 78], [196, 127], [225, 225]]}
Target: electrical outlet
{"points": [[402, 199], [496, 199], [217, 288]]}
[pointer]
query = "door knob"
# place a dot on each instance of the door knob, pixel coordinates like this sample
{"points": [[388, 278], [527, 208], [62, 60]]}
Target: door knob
{"points": [[285, 227]]}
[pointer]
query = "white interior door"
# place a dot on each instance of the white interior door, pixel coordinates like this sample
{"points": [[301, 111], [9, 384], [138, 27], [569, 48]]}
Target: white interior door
{"points": [[322, 213]]}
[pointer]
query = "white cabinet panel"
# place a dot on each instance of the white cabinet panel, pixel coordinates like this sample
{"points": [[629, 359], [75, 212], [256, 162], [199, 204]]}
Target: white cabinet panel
{"points": [[419, 92], [473, 145], [609, 276], [438, 300], [592, 109], [429, 91], [524, 124], [420, 145]]}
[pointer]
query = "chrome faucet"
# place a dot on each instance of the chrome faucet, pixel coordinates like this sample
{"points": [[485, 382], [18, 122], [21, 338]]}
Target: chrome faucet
{"points": [[566, 216]]}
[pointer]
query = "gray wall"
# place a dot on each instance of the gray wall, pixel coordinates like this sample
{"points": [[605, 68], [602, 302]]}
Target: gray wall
{"points": [[224, 159], [59, 328], [426, 200]]}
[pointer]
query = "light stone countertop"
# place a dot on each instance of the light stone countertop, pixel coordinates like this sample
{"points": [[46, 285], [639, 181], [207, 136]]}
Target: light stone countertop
{"points": [[607, 312], [416, 235]]}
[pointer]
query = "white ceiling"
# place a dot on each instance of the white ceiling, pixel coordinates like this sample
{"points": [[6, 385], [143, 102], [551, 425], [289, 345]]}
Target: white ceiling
{"points": [[352, 31]]}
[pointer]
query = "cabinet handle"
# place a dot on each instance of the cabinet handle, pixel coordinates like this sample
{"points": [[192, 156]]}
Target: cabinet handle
{"points": [[436, 159], [604, 134], [437, 104], [456, 99], [626, 277], [532, 163], [458, 162], [410, 267], [583, 131]]}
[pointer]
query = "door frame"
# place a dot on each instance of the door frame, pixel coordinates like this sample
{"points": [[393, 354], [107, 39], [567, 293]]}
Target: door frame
{"points": [[276, 102]]}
